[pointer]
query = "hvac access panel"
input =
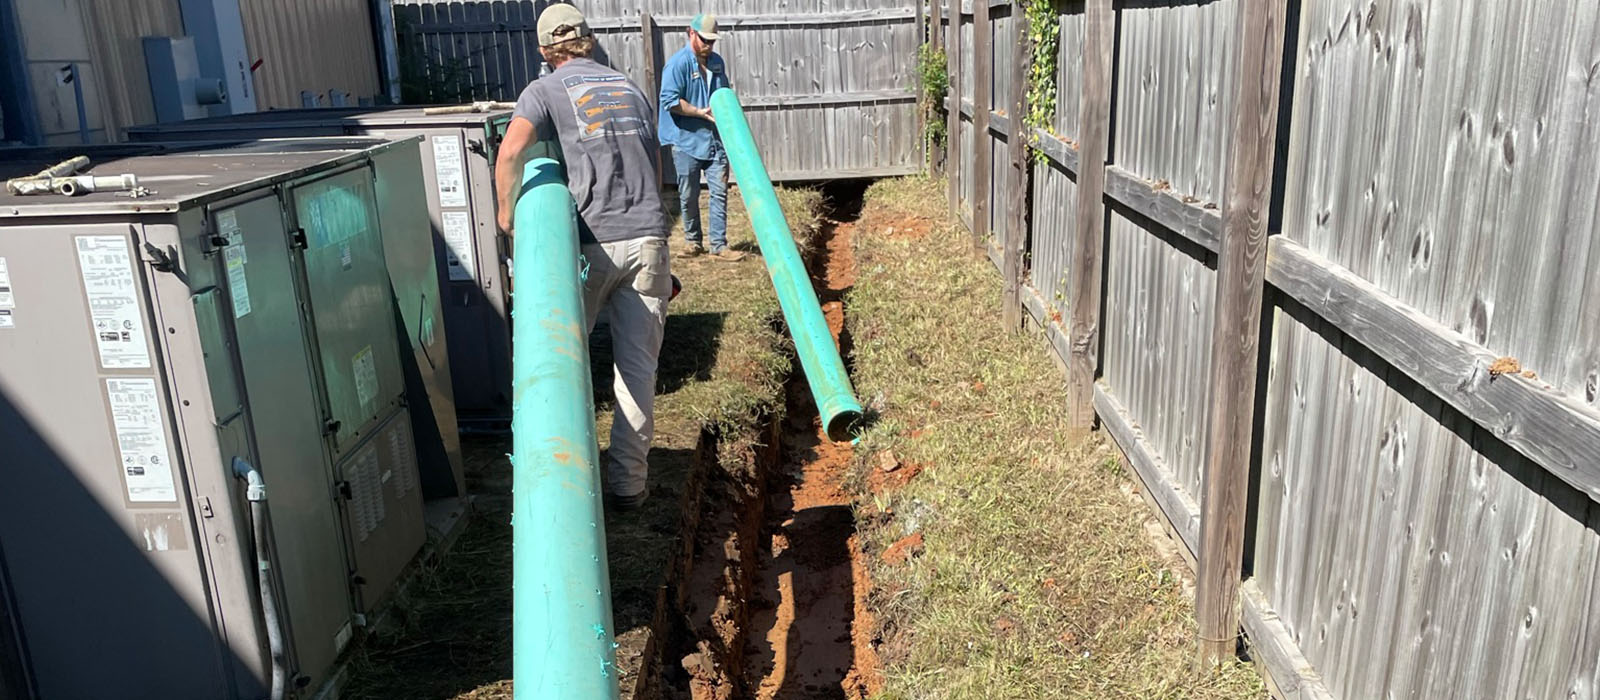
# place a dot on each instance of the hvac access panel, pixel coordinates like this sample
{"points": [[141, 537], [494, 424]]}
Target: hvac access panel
{"points": [[263, 308], [348, 292], [382, 506], [457, 156], [100, 541]]}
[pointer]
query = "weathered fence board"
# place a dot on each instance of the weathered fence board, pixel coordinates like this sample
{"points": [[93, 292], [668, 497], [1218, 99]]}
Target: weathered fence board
{"points": [[1055, 202], [1420, 527], [841, 72]]}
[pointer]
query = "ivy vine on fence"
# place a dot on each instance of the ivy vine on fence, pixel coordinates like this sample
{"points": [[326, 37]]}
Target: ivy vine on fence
{"points": [[1044, 33], [933, 83]]}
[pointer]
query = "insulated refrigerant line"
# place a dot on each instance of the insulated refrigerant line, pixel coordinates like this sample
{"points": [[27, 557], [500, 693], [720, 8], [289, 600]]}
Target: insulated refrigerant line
{"points": [[819, 356]]}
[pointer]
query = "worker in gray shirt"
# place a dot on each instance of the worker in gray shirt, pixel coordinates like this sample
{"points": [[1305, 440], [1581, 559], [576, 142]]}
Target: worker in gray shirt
{"points": [[607, 134]]}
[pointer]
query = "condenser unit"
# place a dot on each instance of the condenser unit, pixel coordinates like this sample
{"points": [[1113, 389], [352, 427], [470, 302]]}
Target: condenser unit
{"points": [[458, 155], [229, 315]]}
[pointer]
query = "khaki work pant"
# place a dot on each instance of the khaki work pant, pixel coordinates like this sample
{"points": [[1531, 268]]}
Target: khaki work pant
{"points": [[631, 281]]}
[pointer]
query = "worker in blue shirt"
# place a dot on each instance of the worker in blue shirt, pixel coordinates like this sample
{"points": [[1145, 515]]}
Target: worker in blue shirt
{"points": [[686, 124]]}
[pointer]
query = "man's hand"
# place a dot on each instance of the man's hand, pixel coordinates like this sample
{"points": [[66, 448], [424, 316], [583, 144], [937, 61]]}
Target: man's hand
{"points": [[508, 170], [708, 116], [504, 216]]}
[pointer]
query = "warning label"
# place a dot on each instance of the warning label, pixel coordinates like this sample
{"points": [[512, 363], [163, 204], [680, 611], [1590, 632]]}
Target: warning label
{"points": [[458, 246], [366, 374], [448, 171], [141, 440], [8, 299], [228, 226], [238, 282], [106, 265]]}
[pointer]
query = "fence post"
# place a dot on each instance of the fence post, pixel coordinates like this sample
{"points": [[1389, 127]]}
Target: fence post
{"points": [[652, 79], [1088, 266], [952, 137], [935, 37], [1241, 266], [922, 117], [982, 103], [1017, 196]]}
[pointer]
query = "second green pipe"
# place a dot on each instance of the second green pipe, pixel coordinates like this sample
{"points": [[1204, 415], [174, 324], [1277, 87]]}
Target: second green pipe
{"points": [[819, 356]]}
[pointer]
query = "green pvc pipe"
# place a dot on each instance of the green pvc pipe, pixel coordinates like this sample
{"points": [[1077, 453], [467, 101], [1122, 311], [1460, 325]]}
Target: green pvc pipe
{"points": [[561, 606], [819, 357]]}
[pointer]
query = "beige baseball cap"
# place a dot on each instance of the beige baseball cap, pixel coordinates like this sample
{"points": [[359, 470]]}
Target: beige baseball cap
{"points": [[706, 26], [561, 22]]}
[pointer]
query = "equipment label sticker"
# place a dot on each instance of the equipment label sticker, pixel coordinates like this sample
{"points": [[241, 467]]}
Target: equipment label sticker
{"points": [[107, 269], [6, 321], [366, 374], [141, 440], [228, 227], [8, 299], [458, 246], [238, 282], [447, 171]]}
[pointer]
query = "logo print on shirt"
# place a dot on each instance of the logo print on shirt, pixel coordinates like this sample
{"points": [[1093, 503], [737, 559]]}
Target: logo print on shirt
{"points": [[605, 106]]}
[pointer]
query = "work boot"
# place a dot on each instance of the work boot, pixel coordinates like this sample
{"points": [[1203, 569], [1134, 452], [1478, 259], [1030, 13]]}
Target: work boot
{"points": [[624, 504], [727, 255], [694, 250]]}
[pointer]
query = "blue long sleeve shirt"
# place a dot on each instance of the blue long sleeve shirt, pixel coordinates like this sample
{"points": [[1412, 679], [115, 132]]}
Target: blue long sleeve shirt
{"points": [[683, 79]]}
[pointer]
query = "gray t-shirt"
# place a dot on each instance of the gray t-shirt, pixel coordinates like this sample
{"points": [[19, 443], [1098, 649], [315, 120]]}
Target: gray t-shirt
{"points": [[607, 133]]}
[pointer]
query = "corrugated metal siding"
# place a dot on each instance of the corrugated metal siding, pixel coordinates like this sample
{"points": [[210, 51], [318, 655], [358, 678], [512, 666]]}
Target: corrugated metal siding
{"points": [[55, 33], [315, 45], [119, 27]]}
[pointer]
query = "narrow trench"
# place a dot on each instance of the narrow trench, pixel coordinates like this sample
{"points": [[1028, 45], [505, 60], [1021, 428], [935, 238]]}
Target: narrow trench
{"points": [[785, 616]]}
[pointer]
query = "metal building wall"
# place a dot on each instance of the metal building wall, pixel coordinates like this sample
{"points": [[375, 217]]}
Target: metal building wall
{"points": [[119, 26], [310, 45], [54, 34]]}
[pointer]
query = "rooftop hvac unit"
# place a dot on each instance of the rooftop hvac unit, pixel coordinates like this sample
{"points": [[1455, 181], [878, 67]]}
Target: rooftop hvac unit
{"points": [[458, 154], [238, 317]]}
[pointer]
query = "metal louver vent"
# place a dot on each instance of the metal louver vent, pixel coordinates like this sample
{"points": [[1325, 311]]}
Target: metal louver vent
{"points": [[366, 486]]}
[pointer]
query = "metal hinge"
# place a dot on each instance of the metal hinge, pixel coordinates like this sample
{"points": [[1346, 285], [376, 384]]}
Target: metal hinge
{"points": [[297, 238], [477, 147], [205, 508], [344, 490], [331, 426]]}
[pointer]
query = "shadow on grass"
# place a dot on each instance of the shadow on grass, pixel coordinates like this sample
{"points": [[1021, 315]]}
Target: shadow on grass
{"points": [[453, 634]]}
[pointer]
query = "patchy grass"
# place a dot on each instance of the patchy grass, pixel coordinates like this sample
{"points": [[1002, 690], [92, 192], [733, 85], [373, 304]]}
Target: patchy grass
{"points": [[723, 366], [1036, 577]]}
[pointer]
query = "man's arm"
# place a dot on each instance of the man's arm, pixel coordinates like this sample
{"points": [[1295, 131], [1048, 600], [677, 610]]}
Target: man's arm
{"points": [[683, 108], [672, 94], [508, 170]]}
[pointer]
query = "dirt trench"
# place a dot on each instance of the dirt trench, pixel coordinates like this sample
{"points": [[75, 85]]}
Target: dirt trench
{"points": [[775, 602]]}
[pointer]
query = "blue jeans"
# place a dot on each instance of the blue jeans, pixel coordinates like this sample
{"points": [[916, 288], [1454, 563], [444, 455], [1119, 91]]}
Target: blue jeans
{"points": [[716, 170]]}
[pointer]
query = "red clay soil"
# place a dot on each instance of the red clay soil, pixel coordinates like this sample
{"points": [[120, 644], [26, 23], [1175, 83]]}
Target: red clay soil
{"points": [[810, 632], [880, 481]]}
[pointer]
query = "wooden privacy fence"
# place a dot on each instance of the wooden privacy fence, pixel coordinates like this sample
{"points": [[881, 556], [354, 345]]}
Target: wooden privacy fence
{"points": [[827, 85], [1375, 430]]}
